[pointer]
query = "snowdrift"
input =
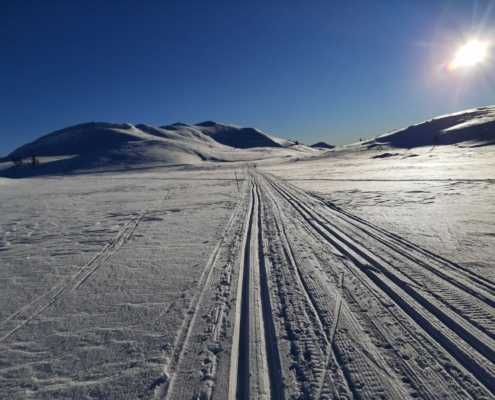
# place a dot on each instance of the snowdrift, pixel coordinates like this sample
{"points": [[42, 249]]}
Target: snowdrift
{"points": [[475, 127]]}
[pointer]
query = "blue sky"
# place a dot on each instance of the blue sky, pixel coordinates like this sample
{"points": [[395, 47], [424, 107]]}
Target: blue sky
{"points": [[304, 70]]}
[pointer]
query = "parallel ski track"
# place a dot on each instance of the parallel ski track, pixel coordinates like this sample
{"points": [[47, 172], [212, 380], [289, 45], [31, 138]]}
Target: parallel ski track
{"points": [[417, 346], [443, 284], [242, 340], [163, 386], [458, 335], [326, 350], [425, 258], [445, 269], [365, 357], [73, 281], [240, 349], [449, 290], [270, 334], [377, 327]]}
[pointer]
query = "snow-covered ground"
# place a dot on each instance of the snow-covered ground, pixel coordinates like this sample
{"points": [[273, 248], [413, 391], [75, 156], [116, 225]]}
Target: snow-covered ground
{"points": [[97, 274], [147, 271], [440, 198]]}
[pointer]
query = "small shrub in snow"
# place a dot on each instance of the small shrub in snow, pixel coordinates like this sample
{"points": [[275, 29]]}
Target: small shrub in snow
{"points": [[34, 161], [17, 160]]}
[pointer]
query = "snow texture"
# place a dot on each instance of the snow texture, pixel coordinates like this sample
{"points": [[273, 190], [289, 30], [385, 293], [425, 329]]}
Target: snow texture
{"points": [[166, 265]]}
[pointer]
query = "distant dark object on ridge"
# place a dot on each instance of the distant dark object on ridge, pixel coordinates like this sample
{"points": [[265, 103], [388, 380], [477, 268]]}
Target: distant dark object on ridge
{"points": [[323, 145]]}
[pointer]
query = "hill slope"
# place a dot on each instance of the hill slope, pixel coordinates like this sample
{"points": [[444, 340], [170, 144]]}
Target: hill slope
{"points": [[475, 126], [235, 136], [80, 139], [100, 145]]}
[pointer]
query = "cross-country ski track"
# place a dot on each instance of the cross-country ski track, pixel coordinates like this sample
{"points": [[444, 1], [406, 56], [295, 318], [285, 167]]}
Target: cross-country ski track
{"points": [[295, 298], [302, 300]]}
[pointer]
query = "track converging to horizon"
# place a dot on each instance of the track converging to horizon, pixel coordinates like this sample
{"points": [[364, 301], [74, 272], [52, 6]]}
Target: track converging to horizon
{"points": [[303, 300]]}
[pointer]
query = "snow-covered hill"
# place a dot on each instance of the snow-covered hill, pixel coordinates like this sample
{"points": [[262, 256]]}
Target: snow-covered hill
{"points": [[91, 136], [235, 136], [98, 145], [361, 272], [473, 127], [80, 139]]}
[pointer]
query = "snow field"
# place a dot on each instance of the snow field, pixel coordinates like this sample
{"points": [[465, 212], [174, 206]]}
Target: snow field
{"points": [[328, 305], [144, 242], [142, 268]]}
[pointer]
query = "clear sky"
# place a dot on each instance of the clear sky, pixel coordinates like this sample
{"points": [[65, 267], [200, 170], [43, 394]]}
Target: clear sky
{"points": [[304, 70]]}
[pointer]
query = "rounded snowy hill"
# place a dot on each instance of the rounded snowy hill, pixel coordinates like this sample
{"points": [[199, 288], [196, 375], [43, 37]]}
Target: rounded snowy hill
{"points": [[99, 145], [474, 127], [238, 137], [80, 139], [178, 131]]}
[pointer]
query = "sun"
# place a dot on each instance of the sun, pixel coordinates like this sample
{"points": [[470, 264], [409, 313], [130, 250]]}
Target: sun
{"points": [[471, 53]]}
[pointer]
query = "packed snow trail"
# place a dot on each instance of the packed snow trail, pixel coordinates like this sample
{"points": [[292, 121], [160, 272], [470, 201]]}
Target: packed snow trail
{"points": [[307, 301]]}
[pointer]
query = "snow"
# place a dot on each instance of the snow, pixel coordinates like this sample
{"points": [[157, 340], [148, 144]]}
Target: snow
{"points": [[476, 126], [439, 198], [122, 146], [235, 136], [80, 139], [151, 269]]}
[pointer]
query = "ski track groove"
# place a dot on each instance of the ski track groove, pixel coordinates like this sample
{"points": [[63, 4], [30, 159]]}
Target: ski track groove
{"points": [[274, 369], [241, 350], [448, 298], [163, 386], [260, 384], [299, 288], [376, 379], [327, 349], [406, 248], [258, 362], [399, 287]]}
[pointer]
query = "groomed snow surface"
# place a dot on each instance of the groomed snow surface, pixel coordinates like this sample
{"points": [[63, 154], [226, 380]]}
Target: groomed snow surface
{"points": [[136, 268]]}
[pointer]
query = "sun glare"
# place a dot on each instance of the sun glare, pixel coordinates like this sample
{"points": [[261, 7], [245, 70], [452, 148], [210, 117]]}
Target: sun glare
{"points": [[470, 54]]}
